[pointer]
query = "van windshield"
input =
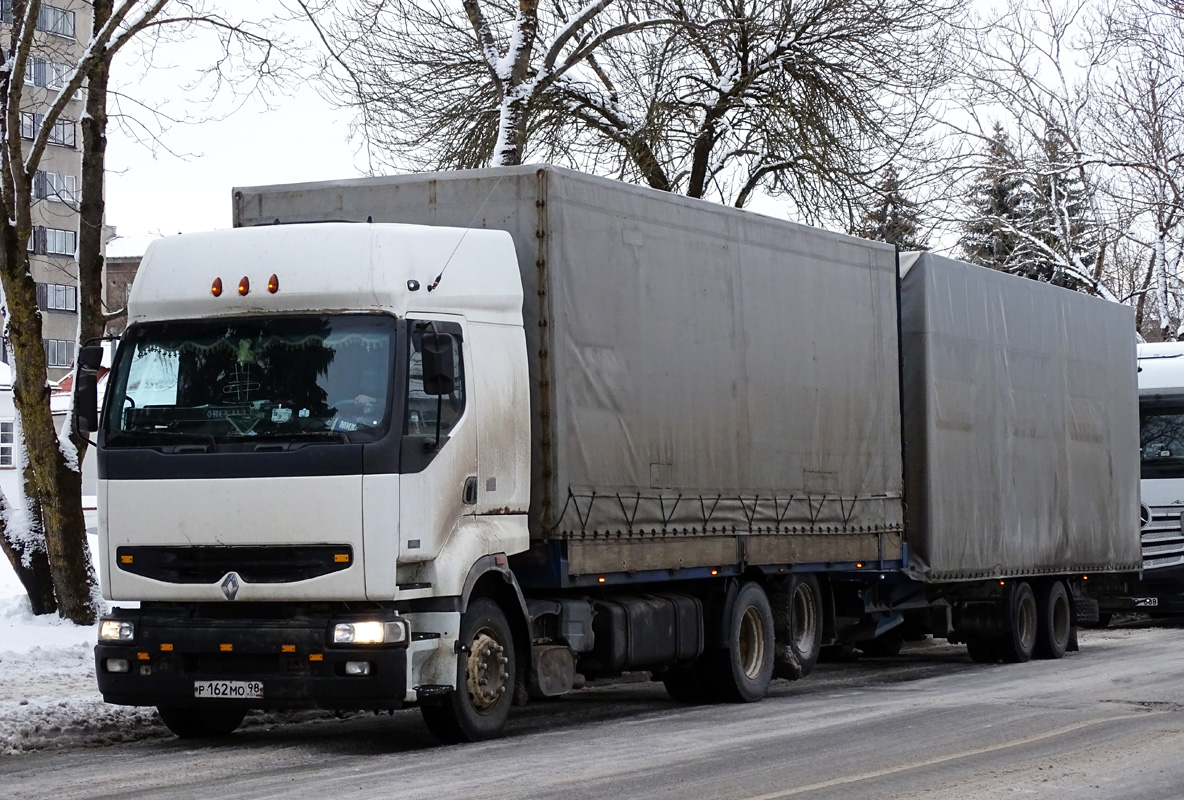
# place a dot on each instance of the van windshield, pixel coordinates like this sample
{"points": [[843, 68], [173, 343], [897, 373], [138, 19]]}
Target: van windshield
{"points": [[305, 377]]}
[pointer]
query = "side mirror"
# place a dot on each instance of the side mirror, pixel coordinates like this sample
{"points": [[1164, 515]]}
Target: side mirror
{"points": [[86, 401], [439, 363], [90, 357]]}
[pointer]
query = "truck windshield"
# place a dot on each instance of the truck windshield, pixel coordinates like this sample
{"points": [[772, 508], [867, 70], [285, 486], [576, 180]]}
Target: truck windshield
{"points": [[1162, 436], [306, 377]]}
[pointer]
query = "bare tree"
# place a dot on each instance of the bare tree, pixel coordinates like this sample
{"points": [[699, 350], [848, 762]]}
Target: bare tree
{"points": [[809, 100], [1030, 70], [53, 542]]}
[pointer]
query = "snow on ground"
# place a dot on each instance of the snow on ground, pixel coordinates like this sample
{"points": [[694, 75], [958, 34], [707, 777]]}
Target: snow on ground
{"points": [[48, 694]]}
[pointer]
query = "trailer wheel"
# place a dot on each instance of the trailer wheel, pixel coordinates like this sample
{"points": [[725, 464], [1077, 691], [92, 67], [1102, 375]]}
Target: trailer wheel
{"points": [[1016, 646], [201, 723], [805, 621], [485, 675], [746, 666], [1055, 621]]}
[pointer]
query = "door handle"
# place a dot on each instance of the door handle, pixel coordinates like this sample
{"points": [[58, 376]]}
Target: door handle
{"points": [[470, 495]]}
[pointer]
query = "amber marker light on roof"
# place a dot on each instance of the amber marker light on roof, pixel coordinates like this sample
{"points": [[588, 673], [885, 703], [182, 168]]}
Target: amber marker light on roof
{"points": [[273, 284], [244, 286], [216, 287]]}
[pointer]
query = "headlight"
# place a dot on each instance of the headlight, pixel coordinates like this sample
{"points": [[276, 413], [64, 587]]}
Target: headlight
{"points": [[369, 632], [113, 630]]}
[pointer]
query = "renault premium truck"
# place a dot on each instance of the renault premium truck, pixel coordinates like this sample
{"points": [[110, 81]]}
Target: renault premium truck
{"points": [[1159, 589], [462, 439]]}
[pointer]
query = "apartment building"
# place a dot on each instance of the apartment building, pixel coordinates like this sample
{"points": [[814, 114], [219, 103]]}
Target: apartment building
{"points": [[63, 28]]}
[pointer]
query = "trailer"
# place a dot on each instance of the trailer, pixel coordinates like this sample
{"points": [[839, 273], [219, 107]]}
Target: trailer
{"points": [[459, 440]]}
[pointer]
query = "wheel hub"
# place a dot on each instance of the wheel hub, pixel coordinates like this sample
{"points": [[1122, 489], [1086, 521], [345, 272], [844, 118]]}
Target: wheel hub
{"points": [[486, 672]]}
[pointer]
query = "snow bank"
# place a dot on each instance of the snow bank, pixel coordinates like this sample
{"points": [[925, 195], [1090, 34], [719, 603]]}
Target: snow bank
{"points": [[48, 694]]}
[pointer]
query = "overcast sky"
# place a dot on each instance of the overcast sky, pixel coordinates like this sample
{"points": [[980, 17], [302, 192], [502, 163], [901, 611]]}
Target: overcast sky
{"points": [[301, 137]]}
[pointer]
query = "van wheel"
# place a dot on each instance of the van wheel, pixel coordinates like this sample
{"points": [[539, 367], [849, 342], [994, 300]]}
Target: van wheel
{"points": [[1054, 621], [1017, 645], [201, 723], [746, 666], [485, 675]]}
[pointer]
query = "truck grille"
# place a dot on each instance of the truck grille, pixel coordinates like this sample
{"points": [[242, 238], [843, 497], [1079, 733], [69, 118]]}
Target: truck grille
{"points": [[1163, 538], [263, 564]]}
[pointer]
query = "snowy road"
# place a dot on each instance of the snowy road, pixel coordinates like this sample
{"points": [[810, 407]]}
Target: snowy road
{"points": [[1107, 722]]}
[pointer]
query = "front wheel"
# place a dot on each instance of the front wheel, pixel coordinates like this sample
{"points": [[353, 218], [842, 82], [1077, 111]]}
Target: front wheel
{"points": [[485, 675], [201, 723]]}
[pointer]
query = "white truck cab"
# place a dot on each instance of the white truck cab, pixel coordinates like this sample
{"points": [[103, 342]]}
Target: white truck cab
{"points": [[284, 400]]}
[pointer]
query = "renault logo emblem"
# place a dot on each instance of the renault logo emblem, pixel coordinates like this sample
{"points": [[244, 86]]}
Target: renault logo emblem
{"points": [[230, 585]]}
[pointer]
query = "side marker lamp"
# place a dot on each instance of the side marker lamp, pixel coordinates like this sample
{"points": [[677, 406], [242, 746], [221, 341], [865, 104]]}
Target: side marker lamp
{"points": [[113, 630], [369, 632], [216, 287], [244, 286]]}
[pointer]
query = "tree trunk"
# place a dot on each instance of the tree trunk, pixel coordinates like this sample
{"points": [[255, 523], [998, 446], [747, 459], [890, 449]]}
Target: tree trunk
{"points": [[59, 488], [92, 322]]}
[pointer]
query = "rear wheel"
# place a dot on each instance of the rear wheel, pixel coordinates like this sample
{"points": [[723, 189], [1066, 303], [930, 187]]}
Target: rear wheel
{"points": [[746, 666], [485, 675], [1054, 621], [201, 723], [1017, 645], [805, 621]]}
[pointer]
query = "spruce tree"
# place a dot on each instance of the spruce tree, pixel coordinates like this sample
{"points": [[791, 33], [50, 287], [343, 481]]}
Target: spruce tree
{"points": [[1000, 204], [894, 219]]}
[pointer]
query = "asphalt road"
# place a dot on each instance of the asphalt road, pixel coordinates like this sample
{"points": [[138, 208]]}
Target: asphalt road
{"points": [[1105, 722]]}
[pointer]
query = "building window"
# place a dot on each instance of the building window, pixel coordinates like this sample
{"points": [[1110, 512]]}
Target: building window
{"points": [[7, 443], [57, 297], [47, 74], [53, 242], [64, 130], [55, 187], [51, 19], [59, 352]]}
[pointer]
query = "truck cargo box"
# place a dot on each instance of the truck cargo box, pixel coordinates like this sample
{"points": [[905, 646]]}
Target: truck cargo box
{"points": [[709, 386], [1021, 425]]}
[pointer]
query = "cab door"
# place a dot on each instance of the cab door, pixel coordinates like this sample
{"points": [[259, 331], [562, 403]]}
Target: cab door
{"points": [[438, 484]]}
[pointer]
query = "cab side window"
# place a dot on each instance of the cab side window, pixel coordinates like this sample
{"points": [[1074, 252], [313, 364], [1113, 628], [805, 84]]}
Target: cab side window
{"points": [[423, 407]]}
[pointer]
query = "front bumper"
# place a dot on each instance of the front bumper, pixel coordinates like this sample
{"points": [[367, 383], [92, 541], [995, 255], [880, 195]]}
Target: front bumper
{"points": [[292, 656]]}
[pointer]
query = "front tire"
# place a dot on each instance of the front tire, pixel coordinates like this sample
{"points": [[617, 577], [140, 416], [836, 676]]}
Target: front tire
{"points": [[201, 723], [485, 673]]}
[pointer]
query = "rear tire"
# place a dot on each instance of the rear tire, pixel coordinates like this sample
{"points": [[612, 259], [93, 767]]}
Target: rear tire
{"points": [[805, 621], [1054, 621], [1017, 644], [746, 666], [485, 675], [201, 723]]}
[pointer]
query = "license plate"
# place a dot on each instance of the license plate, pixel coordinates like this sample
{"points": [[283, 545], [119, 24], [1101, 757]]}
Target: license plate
{"points": [[1146, 602], [231, 690]]}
